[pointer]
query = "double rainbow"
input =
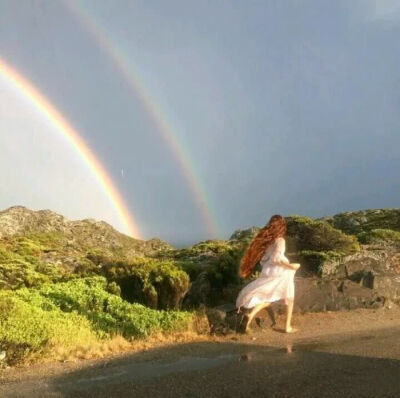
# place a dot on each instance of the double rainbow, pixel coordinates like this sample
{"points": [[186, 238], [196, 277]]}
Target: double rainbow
{"points": [[71, 135], [130, 74]]}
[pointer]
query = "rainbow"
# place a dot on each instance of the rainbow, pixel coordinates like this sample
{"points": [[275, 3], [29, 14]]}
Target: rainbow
{"points": [[130, 74], [72, 136]]}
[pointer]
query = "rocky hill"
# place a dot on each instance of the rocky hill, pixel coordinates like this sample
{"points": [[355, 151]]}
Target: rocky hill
{"points": [[80, 235], [355, 222]]}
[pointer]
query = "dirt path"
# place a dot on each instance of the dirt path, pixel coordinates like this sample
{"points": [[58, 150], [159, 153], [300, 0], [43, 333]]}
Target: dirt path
{"points": [[352, 354]]}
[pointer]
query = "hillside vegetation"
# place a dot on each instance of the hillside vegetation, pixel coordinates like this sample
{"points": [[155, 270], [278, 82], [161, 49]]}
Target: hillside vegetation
{"points": [[73, 283]]}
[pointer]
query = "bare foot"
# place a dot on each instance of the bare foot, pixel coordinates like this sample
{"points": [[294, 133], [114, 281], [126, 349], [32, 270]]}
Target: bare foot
{"points": [[291, 330]]}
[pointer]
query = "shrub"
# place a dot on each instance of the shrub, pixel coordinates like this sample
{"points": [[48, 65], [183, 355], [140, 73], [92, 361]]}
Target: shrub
{"points": [[379, 235], [224, 270], [156, 284], [20, 264], [307, 234], [313, 261], [75, 313], [191, 268], [27, 327]]}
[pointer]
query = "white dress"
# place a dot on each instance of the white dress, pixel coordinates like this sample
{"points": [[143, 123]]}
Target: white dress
{"points": [[276, 282]]}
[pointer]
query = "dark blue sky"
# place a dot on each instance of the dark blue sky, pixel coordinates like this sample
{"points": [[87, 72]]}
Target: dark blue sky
{"points": [[281, 107]]}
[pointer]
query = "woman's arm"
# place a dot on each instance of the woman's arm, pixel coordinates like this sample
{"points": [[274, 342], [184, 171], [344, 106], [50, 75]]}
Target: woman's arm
{"points": [[279, 256], [294, 266]]}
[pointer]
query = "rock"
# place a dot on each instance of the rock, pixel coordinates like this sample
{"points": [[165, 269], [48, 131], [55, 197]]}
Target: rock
{"points": [[388, 286], [79, 235], [222, 319], [358, 264], [333, 295]]}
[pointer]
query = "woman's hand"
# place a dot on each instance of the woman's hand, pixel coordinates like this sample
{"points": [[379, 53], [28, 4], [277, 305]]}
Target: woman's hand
{"points": [[295, 266]]}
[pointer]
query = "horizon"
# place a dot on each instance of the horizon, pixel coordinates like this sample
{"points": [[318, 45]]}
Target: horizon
{"points": [[186, 120]]}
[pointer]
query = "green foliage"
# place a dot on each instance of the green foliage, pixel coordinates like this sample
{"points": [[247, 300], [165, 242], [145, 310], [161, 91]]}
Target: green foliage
{"points": [[366, 220], [20, 264], [379, 235], [191, 268], [312, 261], [77, 312], [157, 284], [220, 259], [201, 252], [26, 326], [319, 236], [114, 288], [89, 296], [224, 270]]}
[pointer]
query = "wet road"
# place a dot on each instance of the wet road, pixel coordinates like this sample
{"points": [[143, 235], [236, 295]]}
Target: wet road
{"points": [[356, 365]]}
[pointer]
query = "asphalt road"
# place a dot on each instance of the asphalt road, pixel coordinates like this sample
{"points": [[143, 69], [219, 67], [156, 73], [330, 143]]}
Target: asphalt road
{"points": [[363, 364]]}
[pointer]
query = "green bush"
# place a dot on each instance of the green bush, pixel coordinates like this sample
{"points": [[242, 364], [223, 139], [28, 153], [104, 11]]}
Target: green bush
{"points": [[74, 313], [307, 234], [202, 252], [191, 268], [312, 261], [27, 327], [108, 312], [224, 270], [379, 235], [20, 262], [156, 284]]}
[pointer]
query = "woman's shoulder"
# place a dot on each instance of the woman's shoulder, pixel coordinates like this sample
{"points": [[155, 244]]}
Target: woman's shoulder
{"points": [[280, 239]]}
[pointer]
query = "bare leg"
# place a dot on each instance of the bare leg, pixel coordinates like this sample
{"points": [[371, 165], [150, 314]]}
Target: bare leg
{"points": [[271, 315], [254, 311], [289, 312]]}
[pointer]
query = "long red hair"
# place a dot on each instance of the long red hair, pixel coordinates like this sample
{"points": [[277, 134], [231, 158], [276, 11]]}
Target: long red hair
{"points": [[275, 228]]}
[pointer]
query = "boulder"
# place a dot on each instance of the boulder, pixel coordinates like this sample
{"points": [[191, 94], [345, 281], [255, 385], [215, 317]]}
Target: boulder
{"points": [[314, 295], [359, 264], [354, 266], [387, 286], [222, 319]]}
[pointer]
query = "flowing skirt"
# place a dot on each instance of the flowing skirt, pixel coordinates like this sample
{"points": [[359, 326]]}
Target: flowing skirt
{"points": [[267, 288]]}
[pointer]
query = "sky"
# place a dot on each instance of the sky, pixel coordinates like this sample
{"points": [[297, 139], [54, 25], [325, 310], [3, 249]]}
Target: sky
{"points": [[208, 116]]}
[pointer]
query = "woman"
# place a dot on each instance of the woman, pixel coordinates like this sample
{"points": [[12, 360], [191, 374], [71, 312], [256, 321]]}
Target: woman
{"points": [[276, 281]]}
